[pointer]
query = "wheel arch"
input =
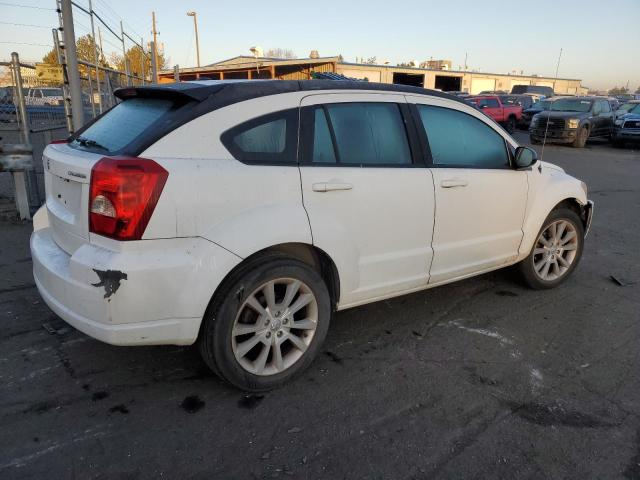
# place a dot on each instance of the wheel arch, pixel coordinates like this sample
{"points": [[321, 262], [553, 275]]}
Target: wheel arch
{"points": [[311, 255], [534, 223]]}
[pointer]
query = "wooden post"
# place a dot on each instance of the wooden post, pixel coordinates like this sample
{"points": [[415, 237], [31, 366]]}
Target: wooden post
{"points": [[250, 74], [221, 75], [273, 71]]}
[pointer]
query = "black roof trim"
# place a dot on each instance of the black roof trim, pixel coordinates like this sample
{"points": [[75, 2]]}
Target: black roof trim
{"points": [[220, 93]]}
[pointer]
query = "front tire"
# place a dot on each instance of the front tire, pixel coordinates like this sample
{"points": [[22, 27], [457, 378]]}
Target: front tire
{"points": [[266, 324], [556, 251], [581, 137]]}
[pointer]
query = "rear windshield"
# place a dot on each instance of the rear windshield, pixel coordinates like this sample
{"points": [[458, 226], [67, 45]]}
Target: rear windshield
{"points": [[123, 124]]}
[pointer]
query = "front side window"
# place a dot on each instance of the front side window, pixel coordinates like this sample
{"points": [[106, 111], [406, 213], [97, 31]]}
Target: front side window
{"points": [[606, 108], [270, 139], [366, 133], [459, 139]]}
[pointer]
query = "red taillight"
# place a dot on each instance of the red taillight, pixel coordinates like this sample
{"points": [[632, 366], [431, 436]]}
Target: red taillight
{"points": [[123, 194]]}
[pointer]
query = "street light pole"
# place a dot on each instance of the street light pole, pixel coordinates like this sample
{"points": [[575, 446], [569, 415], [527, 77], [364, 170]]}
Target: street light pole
{"points": [[195, 24]]}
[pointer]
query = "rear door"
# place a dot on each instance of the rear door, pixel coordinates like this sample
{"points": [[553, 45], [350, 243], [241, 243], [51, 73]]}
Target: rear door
{"points": [[480, 199], [368, 196]]}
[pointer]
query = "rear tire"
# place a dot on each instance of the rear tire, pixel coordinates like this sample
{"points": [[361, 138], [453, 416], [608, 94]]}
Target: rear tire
{"points": [[556, 251], [581, 137], [534, 140], [511, 124], [254, 335]]}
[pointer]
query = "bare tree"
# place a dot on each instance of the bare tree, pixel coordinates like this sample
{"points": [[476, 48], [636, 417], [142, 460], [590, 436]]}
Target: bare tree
{"points": [[280, 53]]}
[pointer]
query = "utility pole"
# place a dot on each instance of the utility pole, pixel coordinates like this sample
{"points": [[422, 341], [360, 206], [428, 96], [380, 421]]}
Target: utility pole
{"points": [[154, 49], [154, 67], [195, 24], [95, 58], [71, 57], [465, 61], [124, 56]]}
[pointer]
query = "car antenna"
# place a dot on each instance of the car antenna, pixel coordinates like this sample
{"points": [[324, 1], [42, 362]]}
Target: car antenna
{"points": [[546, 126]]}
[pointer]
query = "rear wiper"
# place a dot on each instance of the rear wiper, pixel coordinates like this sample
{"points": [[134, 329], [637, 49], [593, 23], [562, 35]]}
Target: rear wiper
{"points": [[87, 142]]}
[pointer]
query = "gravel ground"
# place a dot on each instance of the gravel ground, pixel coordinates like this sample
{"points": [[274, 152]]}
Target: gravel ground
{"points": [[479, 379]]}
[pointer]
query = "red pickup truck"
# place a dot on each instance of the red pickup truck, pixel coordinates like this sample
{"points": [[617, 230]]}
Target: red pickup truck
{"points": [[506, 115]]}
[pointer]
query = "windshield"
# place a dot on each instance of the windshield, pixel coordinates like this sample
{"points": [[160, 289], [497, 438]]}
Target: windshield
{"points": [[635, 109], [627, 107], [571, 105], [122, 124], [542, 105], [51, 92]]}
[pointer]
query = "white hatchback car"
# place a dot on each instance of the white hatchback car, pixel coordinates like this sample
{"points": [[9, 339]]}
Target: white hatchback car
{"points": [[240, 215]]}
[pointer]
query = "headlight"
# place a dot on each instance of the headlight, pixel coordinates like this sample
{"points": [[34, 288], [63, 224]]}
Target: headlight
{"points": [[574, 122], [619, 122]]}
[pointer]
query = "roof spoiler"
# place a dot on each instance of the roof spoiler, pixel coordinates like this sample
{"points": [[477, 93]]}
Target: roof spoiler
{"points": [[185, 91]]}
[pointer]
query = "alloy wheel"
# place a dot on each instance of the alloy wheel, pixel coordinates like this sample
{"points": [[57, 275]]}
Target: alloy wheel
{"points": [[555, 250], [274, 326]]}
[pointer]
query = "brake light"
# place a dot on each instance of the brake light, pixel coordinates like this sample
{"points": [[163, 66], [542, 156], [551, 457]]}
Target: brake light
{"points": [[123, 194]]}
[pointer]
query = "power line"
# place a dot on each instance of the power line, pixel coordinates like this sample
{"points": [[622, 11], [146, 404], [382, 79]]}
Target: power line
{"points": [[25, 6], [25, 25], [27, 43]]}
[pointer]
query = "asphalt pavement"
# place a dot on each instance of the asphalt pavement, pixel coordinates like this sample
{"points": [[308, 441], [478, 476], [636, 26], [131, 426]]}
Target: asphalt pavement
{"points": [[479, 379]]}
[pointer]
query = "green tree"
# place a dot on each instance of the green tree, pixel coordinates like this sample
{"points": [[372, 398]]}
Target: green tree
{"points": [[618, 90], [138, 62]]}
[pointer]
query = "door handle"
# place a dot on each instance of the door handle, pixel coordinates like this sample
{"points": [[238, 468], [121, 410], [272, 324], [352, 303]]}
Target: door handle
{"points": [[454, 182], [331, 186]]}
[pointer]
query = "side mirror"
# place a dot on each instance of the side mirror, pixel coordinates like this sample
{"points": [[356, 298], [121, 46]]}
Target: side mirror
{"points": [[525, 157]]}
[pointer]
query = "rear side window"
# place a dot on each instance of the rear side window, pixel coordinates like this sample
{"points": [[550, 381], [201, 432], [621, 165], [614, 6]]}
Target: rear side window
{"points": [[461, 140], [123, 124], [270, 139], [365, 133], [488, 102]]}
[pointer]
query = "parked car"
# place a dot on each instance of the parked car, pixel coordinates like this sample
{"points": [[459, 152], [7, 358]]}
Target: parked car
{"points": [[44, 96], [614, 103], [493, 92], [537, 89], [626, 107], [527, 114], [6, 95], [240, 215], [573, 120], [505, 114], [627, 127]]}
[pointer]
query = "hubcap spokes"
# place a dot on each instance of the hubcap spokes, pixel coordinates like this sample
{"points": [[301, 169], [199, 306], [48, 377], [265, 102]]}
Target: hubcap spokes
{"points": [[274, 326], [555, 250]]}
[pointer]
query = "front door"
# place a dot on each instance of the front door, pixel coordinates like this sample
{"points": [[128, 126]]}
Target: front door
{"points": [[480, 198], [368, 196]]}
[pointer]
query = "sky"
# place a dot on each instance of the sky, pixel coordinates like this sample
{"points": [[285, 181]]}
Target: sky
{"points": [[600, 39]]}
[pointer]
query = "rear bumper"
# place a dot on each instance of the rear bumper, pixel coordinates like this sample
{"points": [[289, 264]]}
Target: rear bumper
{"points": [[149, 296]]}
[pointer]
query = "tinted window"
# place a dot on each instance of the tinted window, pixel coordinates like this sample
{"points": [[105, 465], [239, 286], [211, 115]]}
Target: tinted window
{"points": [[459, 139], [122, 124], [270, 139], [488, 102], [368, 133], [605, 106], [322, 144]]}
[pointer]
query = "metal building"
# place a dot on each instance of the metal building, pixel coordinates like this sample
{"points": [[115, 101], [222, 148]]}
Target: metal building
{"points": [[250, 67]]}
